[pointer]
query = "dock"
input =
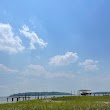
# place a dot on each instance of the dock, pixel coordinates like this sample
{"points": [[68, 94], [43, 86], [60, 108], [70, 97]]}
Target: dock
{"points": [[17, 98]]}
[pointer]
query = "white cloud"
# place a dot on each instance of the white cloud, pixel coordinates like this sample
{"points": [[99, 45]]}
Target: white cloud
{"points": [[61, 75], [3, 87], [89, 65], [34, 39], [5, 69], [8, 42], [34, 70], [66, 59], [38, 70], [38, 57]]}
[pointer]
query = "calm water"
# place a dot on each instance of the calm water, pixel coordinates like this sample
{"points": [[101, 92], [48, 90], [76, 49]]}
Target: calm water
{"points": [[4, 99]]}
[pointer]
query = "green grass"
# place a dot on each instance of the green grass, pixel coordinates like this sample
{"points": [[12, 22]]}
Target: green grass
{"points": [[62, 103]]}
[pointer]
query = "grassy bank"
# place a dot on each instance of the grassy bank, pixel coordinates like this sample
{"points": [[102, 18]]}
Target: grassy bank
{"points": [[62, 103]]}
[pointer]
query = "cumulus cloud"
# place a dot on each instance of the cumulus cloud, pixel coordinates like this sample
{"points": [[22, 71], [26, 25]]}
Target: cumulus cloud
{"points": [[66, 59], [34, 39], [8, 41], [5, 69], [89, 65]]}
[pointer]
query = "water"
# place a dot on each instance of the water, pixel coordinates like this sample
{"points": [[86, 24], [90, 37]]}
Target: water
{"points": [[4, 99]]}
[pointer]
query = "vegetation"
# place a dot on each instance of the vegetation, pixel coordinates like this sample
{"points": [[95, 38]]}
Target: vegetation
{"points": [[62, 103], [40, 93]]}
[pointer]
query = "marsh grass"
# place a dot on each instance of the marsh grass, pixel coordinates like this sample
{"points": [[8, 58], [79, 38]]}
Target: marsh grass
{"points": [[62, 103]]}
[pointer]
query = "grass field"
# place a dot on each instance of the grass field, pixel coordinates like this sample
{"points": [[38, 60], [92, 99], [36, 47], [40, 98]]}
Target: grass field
{"points": [[62, 103]]}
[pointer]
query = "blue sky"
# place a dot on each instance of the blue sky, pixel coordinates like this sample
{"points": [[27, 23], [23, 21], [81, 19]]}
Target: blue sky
{"points": [[54, 45]]}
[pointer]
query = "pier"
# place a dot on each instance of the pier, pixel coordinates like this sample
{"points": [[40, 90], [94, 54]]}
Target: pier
{"points": [[101, 93], [17, 98], [89, 93]]}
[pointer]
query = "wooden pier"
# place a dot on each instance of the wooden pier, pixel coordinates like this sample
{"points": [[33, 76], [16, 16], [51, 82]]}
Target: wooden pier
{"points": [[101, 93], [17, 98]]}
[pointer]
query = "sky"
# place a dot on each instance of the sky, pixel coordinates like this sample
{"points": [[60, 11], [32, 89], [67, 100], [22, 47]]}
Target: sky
{"points": [[54, 45]]}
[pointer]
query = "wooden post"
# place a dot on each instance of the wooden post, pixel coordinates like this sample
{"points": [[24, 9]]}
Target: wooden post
{"points": [[12, 99], [38, 95], [41, 95], [17, 99], [25, 96], [7, 99], [35, 95]]}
